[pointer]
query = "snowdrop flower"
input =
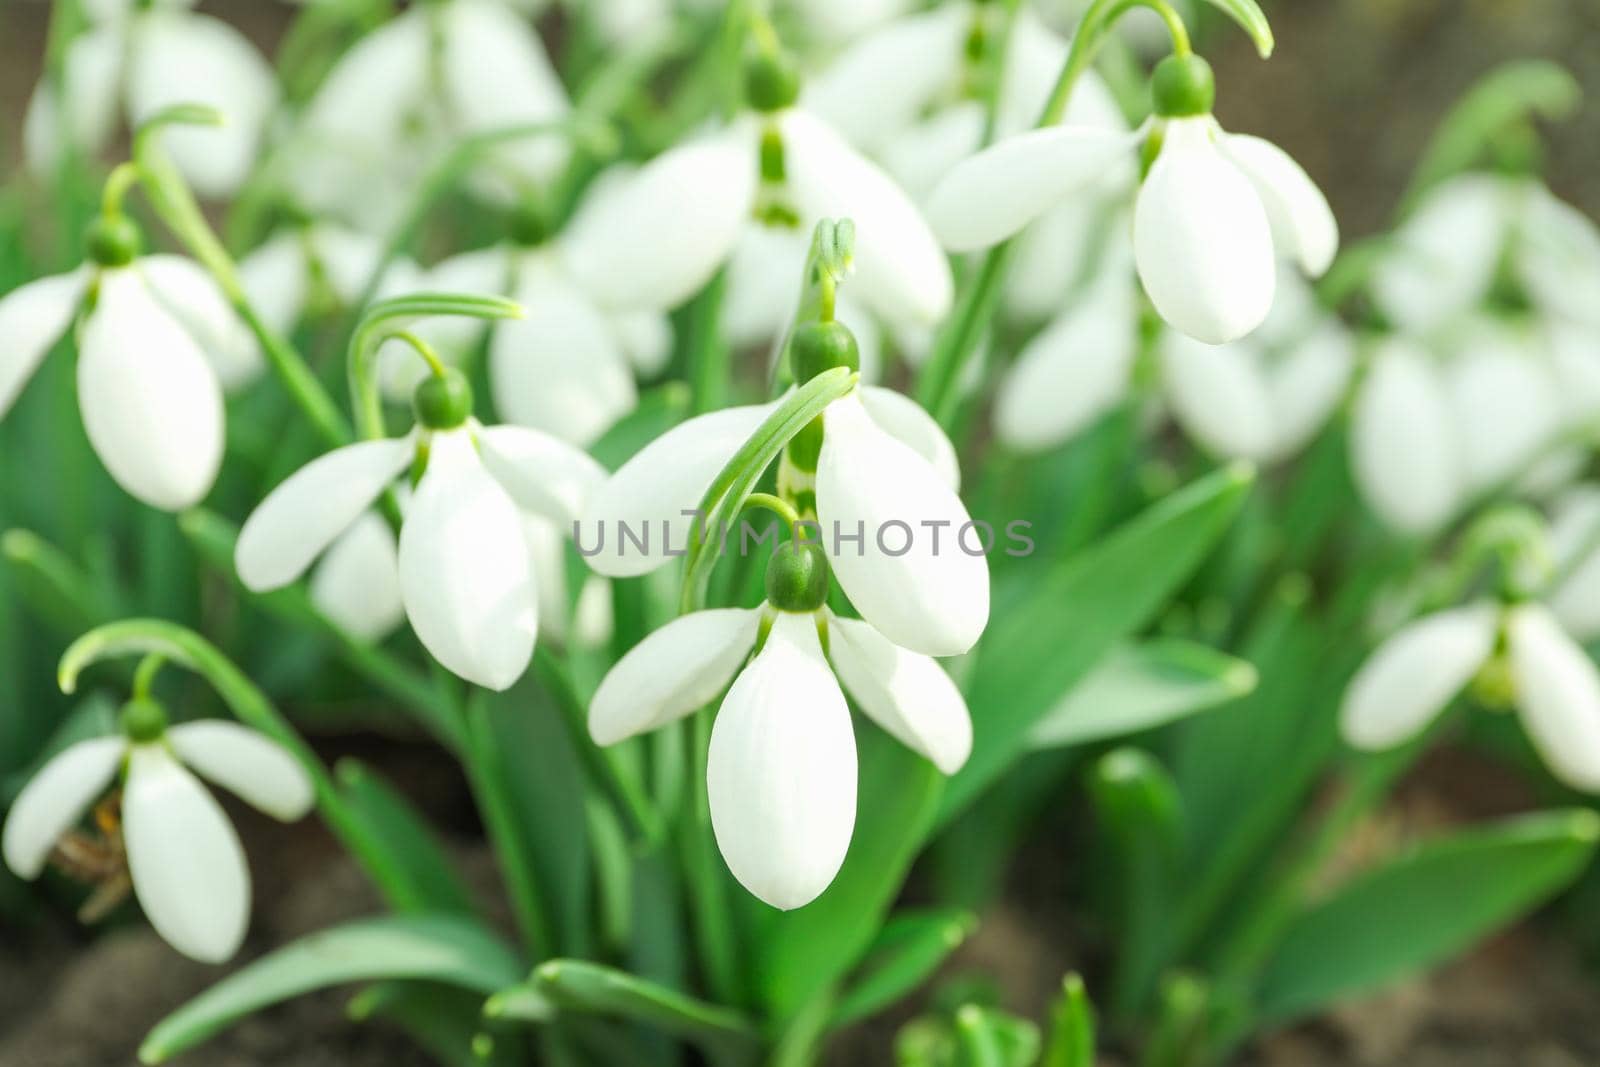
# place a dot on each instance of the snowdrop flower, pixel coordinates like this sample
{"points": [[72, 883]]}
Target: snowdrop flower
{"points": [[295, 271], [1574, 597], [781, 771], [146, 58], [437, 72], [883, 477], [463, 558], [1446, 258], [661, 237], [185, 861], [156, 344], [1212, 214], [1419, 670]]}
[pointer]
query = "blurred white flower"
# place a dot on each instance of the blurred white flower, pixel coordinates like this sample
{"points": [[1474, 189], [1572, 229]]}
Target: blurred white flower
{"points": [[185, 861], [1211, 217], [1417, 672], [146, 58], [286, 274]]}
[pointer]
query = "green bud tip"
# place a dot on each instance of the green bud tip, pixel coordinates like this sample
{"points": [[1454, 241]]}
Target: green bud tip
{"points": [[530, 224], [821, 346], [143, 721], [112, 241], [797, 577], [771, 80], [1183, 86], [443, 401]]}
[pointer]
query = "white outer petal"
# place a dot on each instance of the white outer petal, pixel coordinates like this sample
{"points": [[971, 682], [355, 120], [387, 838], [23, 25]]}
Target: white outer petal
{"points": [[653, 242], [906, 693], [645, 338], [901, 272], [1507, 406], [465, 575], [1307, 382], [1404, 449], [190, 295], [1445, 254], [933, 598], [313, 506], [666, 478], [990, 196], [1558, 693], [781, 770], [367, 98], [1414, 674], [1201, 238], [248, 764], [1558, 257], [187, 865], [1303, 226], [151, 404], [764, 275], [32, 319], [907, 422], [923, 153], [356, 583], [53, 800], [1575, 361], [1575, 547], [542, 473], [93, 82], [275, 278], [1219, 395], [677, 669]]}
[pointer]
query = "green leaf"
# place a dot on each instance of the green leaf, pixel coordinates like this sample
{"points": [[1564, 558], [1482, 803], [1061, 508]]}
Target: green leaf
{"points": [[1423, 908], [1072, 1028], [1248, 14], [910, 947], [582, 987], [400, 830], [1074, 614], [449, 949], [1140, 686], [989, 1038]]}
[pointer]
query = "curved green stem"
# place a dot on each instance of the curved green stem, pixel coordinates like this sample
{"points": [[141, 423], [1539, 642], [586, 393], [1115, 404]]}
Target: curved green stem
{"points": [[122, 178], [777, 505], [144, 676]]}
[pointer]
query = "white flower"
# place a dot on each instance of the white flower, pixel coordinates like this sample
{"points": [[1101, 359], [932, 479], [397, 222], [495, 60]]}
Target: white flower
{"points": [[1210, 219], [281, 275], [185, 861], [147, 61], [465, 578], [1420, 669], [153, 341], [434, 74], [661, 236], [901, 543], [781, 771], [1575, 549]]}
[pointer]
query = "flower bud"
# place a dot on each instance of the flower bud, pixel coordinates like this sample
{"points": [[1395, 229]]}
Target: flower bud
{"points": [[1183, 86], [443, 401], [797, 577], [112, 241], [529, 223], [771, 80], [143, 721], [821, 346]]}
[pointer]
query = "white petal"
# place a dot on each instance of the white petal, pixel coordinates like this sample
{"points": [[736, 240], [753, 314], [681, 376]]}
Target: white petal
{"points": [[464, 571], [646, 339], [666, 478], [1202, 240], [1054, 256], [543, 474], [151, 404], [934, 596], [1505, 400], [1558, 257], [1575, 547], [1575, 359], [32, 319], [1414, 674], [311, 507], [560, 368], [901, 273], [677, 669], [1219, 395], [92, 77], [781, 771], [907, 422], [274, 277], [1303, 225], [248, 764], [1072, 372], [372, 92], [923, 153], [764, 275], [1558, 692], [992, 195], [183, 58], [1445, 255], [188, 292], [653, 242], [356, 584], [906, 693], [187, 865], [53, 800], [883, 81], [1307, 382], [349, 259], [1404, 451]]}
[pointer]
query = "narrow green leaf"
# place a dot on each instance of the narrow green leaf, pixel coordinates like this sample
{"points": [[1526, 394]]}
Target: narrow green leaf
{"points": [[449, 949], [55, 586], [400, 830], [1072, 1028], [989, 1038], [908, 950], [1249, 16], [1140, 686], [1073, 614], [579, 986], [1424, 907]]}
